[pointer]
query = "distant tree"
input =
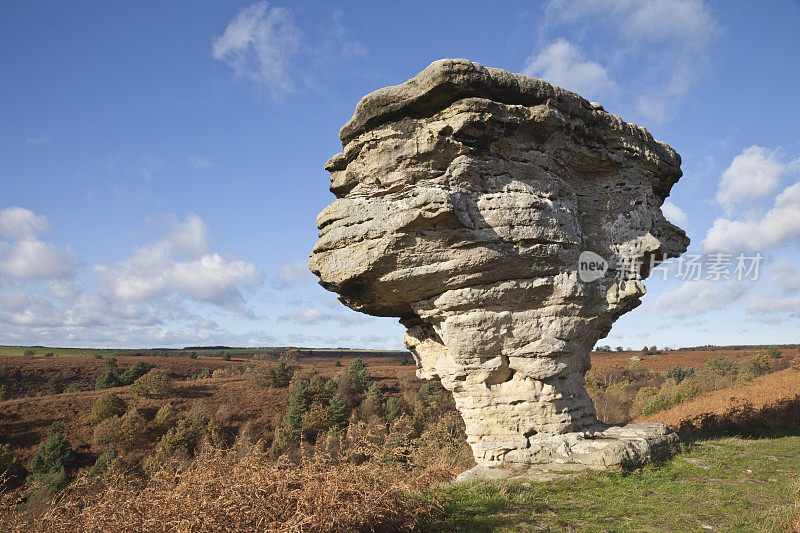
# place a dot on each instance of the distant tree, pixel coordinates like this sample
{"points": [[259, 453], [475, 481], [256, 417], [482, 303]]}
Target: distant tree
{"points": [[49, 354], [226, 357], [193, 355], [29, 353], [373, 402], [135, 372], [98, 356], [338, 363], [75, 387], [653, 350], [3, 392], [359, 374], [774, 353], [645, 350], [619, 348], [108, 379], [110, 363], [404, 362]]}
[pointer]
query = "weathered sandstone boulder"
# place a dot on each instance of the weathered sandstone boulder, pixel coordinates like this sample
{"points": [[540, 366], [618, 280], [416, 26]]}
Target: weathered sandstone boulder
{"points": [[464, 198]]}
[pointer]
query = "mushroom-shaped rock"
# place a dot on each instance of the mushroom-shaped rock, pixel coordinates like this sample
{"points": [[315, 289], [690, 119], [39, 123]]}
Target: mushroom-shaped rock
{"points": [[465, 198]]}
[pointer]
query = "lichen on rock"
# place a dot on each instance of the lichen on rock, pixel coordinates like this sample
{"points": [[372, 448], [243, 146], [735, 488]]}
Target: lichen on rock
{"points": [[464, 199]]}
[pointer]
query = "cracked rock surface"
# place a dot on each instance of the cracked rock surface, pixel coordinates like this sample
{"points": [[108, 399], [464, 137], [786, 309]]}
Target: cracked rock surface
{"points": [[464, 198]]}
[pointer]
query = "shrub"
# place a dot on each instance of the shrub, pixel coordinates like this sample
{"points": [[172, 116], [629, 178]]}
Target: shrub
{"points": [[404, 362], [193, 355], [154, 384], [132, 428], [75, 387], [774, 353], [755, 366], [108, 379], [107, 431], [107, 406], [49, 354], [281, 374], [104, 462], [135, 372], [338, 412], [186, 435], [650, 400], [98, 356], [54, 385], [373, 403], [165, 416], [679, 373], [315, 420], [338, 363], [393, 410], [110, 363], [3, 392], [48, 468], [29, 353], [203, 374], [226, 357], [219, 373], [265, 376]]}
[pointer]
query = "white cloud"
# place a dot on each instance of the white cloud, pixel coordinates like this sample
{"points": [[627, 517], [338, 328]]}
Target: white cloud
{"points": [[563, 64], [26, 256], [21, 223], [674, 214], [259, 44], [779, 300], [753, 174], [309, 316], [294, 272], [697, 297], [669, 41], [180, 264], [38, 141], [778, 226], [199, 163]]}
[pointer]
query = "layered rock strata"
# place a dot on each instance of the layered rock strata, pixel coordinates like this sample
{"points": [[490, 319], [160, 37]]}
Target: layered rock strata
{"points": [[464, 199]]}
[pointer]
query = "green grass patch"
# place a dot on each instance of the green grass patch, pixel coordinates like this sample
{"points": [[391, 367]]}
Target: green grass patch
{"points": [[729, 484]]}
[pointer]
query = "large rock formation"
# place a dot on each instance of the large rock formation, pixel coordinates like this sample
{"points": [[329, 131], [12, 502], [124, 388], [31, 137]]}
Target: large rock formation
{"points": [[464, 198]]}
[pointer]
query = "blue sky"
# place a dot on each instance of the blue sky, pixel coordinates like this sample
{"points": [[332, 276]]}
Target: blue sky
{"points": [[161, 162]]}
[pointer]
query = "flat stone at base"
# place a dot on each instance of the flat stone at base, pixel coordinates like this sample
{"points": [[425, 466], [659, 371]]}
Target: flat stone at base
{"points": [[558, 456]]}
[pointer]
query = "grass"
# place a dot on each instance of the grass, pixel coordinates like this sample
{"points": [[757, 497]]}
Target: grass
{"points": [[728, 484]]}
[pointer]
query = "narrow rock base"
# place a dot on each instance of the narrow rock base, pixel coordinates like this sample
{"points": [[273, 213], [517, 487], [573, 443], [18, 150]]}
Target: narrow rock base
{"points": [[600, 448]]}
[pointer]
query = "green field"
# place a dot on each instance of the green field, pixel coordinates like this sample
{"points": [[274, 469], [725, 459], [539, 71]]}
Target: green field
{"points": [[728, 484]]}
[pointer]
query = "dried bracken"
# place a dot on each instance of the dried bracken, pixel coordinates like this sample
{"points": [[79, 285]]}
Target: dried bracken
{"points": [[242, 489]]}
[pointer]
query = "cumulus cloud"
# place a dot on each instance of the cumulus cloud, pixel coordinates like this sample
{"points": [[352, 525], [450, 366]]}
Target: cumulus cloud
{"points": [[779, 300], [563, 64], [674, 214], [179, 264], [25, 256], [753, 174], [310, 316], [668, 40], [778, 226], [697, 297], [259, 44]]}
